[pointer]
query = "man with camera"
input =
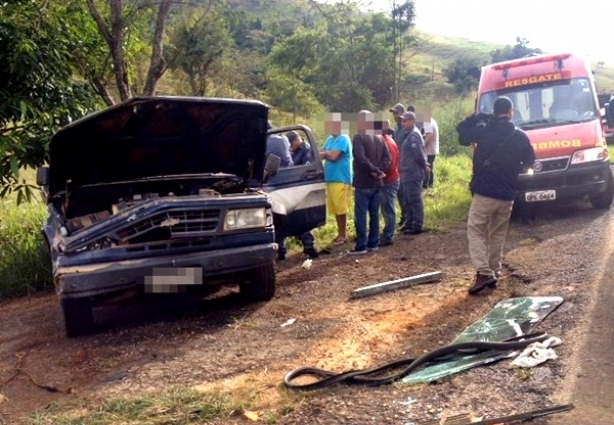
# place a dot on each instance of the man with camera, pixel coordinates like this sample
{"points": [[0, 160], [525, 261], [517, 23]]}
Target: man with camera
{"points": [[502, 151]]}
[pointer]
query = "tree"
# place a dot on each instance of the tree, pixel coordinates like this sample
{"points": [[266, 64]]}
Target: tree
{"points": [[39, 93], [403, 16], [464, 74], [346, 58], [519, 50], [292, 95], [198, 42], [114, 22]]}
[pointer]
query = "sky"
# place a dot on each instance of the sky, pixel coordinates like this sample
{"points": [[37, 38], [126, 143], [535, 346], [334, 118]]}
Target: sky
{"points": [[582, 27]]}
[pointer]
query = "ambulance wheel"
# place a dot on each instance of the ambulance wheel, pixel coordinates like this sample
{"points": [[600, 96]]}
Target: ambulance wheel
{"points": [[604, 199]]}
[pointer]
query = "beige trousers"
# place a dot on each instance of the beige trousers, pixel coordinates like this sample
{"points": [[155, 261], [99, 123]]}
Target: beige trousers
{"points": [[486, 230]]}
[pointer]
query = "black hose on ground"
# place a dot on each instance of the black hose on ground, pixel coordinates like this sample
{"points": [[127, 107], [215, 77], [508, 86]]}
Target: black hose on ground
{"points": [[370, 376]]}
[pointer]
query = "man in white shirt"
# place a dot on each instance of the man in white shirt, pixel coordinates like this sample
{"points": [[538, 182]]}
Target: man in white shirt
{"points": [[431, 147]]}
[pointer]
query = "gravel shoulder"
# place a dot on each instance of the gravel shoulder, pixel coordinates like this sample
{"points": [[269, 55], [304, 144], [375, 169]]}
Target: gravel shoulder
{"points": [[219, 342]]}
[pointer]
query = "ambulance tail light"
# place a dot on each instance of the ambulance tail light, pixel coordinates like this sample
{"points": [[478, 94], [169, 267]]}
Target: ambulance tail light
{"points": [[530, 61], [590, 155]]}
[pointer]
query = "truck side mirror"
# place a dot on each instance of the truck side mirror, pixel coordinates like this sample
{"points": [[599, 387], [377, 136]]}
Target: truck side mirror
{"points": [[609, 114], [42, 176], [271, 166]]}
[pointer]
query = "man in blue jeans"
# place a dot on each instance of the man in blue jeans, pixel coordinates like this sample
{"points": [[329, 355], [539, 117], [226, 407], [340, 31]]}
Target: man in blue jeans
{"points": [[371, 158], [390, 190]]}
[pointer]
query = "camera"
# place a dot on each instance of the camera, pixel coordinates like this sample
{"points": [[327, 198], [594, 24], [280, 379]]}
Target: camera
{"points": [[484, 119]]}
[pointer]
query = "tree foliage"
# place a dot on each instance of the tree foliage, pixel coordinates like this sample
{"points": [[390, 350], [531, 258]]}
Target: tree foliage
{"points": [[116, 22], [464, 74], [517, 51], [39, 93], [197, 43], [346, 59], [61, 60], [403, 16]]}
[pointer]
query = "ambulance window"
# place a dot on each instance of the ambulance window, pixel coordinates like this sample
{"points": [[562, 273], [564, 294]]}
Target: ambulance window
{"points": [[487, 101], [547, 101]]}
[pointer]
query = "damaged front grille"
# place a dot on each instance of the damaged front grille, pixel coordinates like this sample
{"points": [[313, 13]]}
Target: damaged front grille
{"points": [[171, 224]]}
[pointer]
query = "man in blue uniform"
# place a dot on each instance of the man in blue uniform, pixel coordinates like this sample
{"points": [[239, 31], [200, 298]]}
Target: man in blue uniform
{"points": [[413, 166]]}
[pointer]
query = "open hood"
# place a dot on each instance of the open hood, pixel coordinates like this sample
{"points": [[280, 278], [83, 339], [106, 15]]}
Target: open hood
{"points": [[151, 137]]}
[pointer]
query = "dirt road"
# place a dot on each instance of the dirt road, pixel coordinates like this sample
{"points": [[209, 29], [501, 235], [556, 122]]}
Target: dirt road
{"points": [[218, 342]]}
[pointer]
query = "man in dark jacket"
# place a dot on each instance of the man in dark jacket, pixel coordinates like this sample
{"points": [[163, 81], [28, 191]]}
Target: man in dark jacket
{"points": [[501, 153], [371, 158], [300, 149], [399, 135], [413, 166]]}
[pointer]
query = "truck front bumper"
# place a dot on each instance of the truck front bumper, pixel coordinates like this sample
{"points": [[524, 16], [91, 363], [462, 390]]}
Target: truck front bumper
{"points": [[105, 278]]}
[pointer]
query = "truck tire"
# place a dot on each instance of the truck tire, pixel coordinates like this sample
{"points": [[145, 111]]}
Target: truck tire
{"points": [[78, 316], [604, 199], [260, 284]]}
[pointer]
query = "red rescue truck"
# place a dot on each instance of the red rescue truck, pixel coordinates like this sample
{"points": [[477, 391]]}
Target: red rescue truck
{"points": [[555, 103]]}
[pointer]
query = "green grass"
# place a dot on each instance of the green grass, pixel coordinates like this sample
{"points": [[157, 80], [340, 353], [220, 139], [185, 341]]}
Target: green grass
{"points": [[178, 405], [447, 203], [24, 259]]}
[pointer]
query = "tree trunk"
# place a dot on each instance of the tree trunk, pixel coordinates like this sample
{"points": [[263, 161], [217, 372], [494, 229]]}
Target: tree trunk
{"points": [[102, 91], [114, 39], [157, 66]]}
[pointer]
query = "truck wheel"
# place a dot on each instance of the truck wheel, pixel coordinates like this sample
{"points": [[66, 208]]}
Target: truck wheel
{"points": [[604, 199], [260, 284], [78, 316]]}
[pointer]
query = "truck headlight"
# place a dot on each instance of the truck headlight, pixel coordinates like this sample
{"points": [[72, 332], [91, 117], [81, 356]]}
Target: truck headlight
{"points": [[589, 155], [248, 218]]}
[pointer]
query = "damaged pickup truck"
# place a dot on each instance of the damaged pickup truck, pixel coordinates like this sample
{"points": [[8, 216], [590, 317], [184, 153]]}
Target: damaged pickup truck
{"points": [[169, 194]]}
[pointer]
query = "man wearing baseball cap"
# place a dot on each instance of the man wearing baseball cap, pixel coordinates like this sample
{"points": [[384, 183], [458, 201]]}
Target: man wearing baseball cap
{"points": [[412, 167], [399, 134]]}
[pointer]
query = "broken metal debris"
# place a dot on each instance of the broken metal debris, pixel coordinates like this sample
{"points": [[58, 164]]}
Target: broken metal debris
{"points": [[469, 419], [78, 223], [393, 285], [382, 375], [494, 337], [509, 318]]}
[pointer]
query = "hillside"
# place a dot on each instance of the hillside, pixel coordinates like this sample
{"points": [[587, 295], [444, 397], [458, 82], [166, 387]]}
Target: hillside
{"points": [[434, 53]]}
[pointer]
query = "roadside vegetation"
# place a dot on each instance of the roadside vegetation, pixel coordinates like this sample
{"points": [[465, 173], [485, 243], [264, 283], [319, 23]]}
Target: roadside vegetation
{"points": [[62, 60], [177, 405], [24, 260]]}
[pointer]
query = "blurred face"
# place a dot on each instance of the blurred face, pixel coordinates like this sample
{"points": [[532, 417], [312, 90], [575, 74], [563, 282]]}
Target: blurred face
{"points": [[397, 116], [408, 124], [296, 143], [333, 127]]}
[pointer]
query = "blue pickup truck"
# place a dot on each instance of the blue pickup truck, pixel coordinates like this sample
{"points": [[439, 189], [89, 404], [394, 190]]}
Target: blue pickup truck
{"points": [[170, 194]]}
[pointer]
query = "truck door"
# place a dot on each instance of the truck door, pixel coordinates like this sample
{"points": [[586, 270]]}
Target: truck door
{"points": [[297, 191]]}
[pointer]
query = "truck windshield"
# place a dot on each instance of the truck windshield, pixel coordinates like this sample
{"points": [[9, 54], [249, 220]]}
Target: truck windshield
{"points": [[548, 104]]}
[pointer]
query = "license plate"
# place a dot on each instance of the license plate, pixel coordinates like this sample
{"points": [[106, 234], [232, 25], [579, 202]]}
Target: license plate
{"points": [[540, 195], [172, 279]]}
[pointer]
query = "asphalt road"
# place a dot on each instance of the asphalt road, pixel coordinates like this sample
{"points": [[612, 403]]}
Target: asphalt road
{"points": [[590, 382]]}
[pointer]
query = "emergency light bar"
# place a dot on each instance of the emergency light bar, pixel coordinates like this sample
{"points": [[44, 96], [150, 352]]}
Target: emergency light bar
{"points": [[531, 61]]}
